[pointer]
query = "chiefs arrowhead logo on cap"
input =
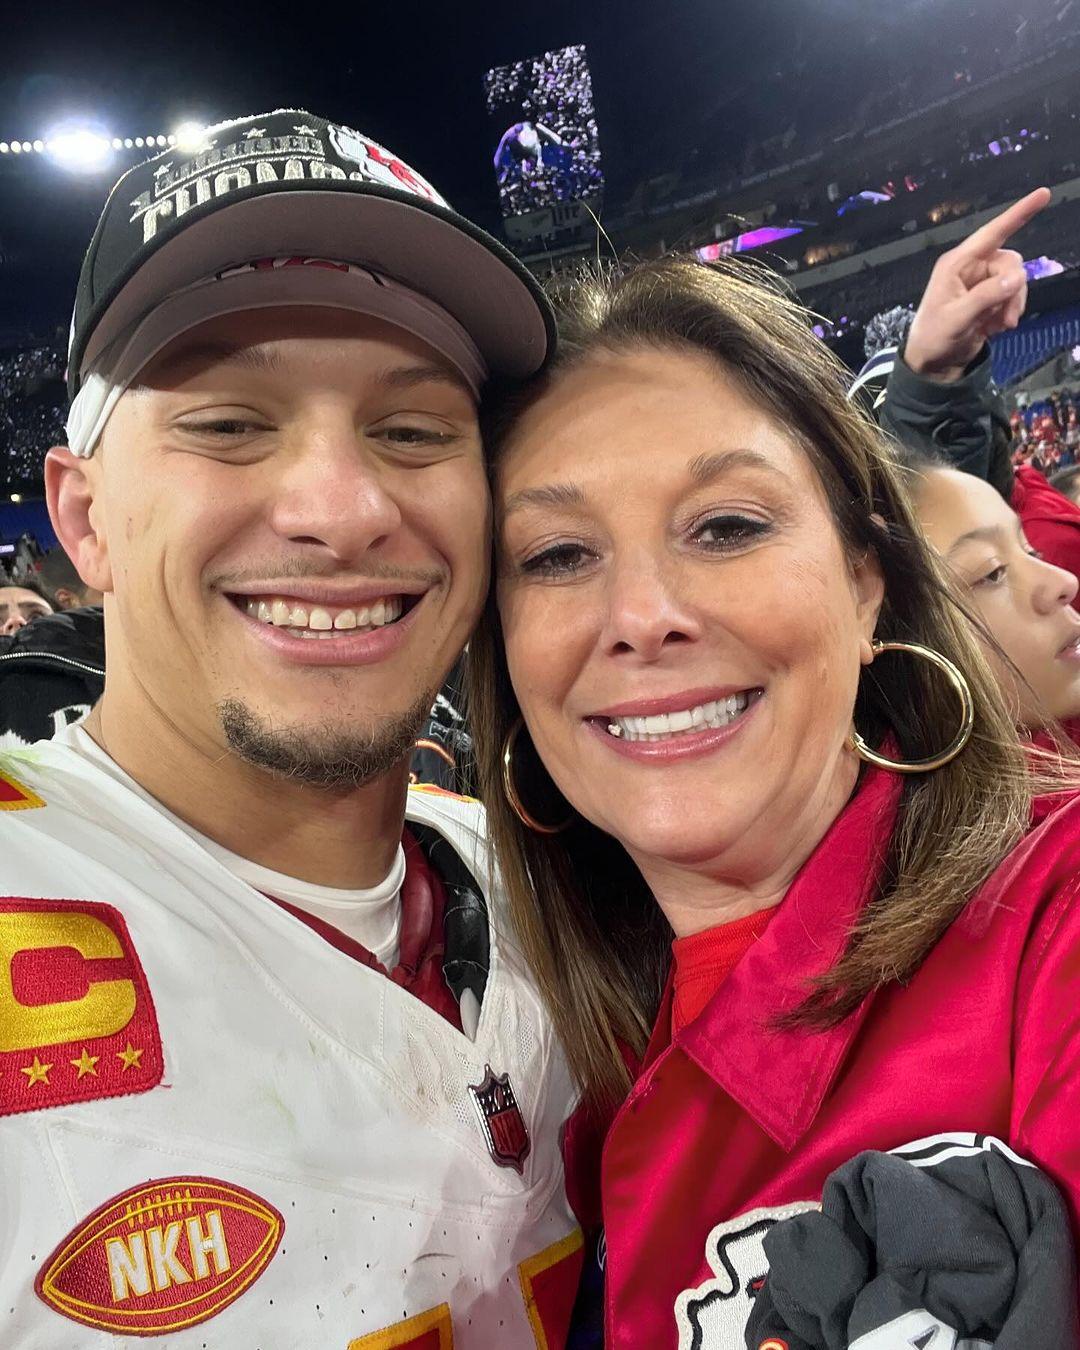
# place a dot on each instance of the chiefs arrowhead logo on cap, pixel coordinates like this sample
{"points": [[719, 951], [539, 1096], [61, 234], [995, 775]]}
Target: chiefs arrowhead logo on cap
{"points": [[162, 1256]]}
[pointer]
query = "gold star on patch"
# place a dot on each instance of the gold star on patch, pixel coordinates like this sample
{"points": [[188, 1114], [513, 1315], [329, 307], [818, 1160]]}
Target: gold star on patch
{"points": [[129, 1057], [85, 1064], [37, 1072]]}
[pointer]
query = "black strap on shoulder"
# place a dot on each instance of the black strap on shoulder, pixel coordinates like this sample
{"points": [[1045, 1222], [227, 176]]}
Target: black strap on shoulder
{"points": [[466, 936]]}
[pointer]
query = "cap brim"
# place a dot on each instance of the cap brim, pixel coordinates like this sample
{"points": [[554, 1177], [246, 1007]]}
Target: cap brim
{"points": [[421, 244]]}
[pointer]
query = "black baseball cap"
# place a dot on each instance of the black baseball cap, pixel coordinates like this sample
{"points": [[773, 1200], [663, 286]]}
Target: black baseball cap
{"points": [[285, 183]]}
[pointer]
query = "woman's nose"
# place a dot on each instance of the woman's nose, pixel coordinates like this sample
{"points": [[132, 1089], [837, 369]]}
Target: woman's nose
{"points": [[1054, 587], [645, 613]]}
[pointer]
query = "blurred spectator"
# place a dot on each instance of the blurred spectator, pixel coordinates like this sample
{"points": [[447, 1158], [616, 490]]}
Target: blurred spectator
{"points": [[443, 754], [58, 573], [939, 398], [52, 671], [21, 605], [1067, 482]]}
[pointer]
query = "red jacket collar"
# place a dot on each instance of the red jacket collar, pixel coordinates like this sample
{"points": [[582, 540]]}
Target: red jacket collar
{"points": [[780, 1078]]}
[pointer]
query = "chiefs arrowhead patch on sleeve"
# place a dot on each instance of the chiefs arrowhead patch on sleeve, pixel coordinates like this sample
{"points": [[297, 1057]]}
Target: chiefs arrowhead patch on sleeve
{"points": [[16, 796], [162, 1256], [76, 1018]]}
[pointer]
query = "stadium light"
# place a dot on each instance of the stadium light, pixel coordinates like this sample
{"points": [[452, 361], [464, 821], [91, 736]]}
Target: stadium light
{"points": [[4, 147], [16, 497], [189, 137], [80, 150]]}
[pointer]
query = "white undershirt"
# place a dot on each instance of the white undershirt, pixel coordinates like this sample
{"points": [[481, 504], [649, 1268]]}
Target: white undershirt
{"points": [[371, 917]]}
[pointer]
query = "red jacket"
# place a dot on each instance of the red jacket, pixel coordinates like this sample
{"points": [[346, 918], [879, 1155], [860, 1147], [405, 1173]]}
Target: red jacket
{"points": [[736, 1121], [1051, 521]]}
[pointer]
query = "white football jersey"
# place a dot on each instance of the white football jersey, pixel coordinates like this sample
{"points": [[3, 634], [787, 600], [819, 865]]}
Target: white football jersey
{"points": [[216, 1130]]}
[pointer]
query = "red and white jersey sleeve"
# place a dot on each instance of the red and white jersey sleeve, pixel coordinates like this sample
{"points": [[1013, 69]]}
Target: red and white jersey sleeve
{"points": [[217, 1130]]}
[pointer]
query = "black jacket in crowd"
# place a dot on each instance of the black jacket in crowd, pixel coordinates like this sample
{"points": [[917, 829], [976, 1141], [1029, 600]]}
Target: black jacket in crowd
{"points": [[51, 673]]}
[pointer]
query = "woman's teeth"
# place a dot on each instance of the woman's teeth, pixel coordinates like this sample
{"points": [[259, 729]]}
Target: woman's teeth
{"points": [[665, 725], [318, 621]]}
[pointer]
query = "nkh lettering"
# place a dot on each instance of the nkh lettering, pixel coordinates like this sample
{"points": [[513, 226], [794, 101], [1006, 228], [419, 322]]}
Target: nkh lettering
{"points": [[164, 1263], [210, 1243], [129, 1272], [149, 1258]]}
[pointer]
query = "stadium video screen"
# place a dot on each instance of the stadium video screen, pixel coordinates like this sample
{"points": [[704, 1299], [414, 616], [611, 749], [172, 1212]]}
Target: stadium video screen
{"points": [[544, 138]]}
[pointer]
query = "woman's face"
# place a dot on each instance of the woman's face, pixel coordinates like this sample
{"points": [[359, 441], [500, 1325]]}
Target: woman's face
{"points": [[1024, 601], [683, 629]]}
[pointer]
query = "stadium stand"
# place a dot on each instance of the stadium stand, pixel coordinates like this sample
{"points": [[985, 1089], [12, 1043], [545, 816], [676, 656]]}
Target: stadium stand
{"points": [[1016, 354]]}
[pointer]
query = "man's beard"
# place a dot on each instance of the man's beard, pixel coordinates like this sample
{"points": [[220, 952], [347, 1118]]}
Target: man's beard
{"points": [[329, 756]]}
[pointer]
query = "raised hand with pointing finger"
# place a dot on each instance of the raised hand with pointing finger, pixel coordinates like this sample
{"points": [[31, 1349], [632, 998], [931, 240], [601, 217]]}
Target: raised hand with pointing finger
{"points": [[977, 289]]}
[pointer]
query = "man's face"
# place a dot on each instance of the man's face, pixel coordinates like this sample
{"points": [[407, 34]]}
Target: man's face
{"points": [[293, 520], [18, 607]]}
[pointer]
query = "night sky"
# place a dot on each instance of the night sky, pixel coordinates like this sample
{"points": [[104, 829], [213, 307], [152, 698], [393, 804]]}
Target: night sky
{"points": [[407, 74]]}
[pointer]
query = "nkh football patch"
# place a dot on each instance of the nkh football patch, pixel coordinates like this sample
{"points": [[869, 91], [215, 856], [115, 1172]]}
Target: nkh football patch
{"points": [[714, 1315], [162, 1256], [76, 1018]]}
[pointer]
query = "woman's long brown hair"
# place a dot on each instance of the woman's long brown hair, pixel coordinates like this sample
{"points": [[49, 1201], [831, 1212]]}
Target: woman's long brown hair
{"points": [[595, 937]]}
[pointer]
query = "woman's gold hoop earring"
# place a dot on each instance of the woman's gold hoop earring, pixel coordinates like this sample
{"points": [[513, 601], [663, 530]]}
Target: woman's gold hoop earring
{"points": [[510, 791], [967, 714]]}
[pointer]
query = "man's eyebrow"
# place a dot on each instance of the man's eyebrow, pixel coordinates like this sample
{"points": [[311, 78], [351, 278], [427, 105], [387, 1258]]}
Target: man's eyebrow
{"points": [[554, 494], [987, 534], [408, 377], [705, 468], [218, 353], [263, 358]]}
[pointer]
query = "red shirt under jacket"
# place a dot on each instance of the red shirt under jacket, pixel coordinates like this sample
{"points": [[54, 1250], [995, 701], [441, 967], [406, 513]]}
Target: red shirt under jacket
{"points": [[1051, 521], [734, 1122], [702, 962]]}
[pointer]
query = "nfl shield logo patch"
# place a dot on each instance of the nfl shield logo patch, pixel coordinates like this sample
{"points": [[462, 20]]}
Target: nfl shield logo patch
{"points": [[501, 1120]]}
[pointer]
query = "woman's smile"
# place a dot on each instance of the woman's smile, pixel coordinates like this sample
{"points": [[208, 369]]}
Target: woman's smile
{"points": [[696, 722]]}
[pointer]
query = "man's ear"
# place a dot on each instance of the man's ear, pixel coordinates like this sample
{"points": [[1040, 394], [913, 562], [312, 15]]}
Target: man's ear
{"points": [[70, 487]]}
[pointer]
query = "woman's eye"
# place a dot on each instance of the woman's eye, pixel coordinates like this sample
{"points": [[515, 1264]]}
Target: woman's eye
{"points": [[730, 531], [993, 578], [559, 560]]}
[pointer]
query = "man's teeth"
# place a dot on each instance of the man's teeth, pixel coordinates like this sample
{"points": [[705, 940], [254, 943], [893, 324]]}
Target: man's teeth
{"points": [[665, 725], [316, 621]]}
